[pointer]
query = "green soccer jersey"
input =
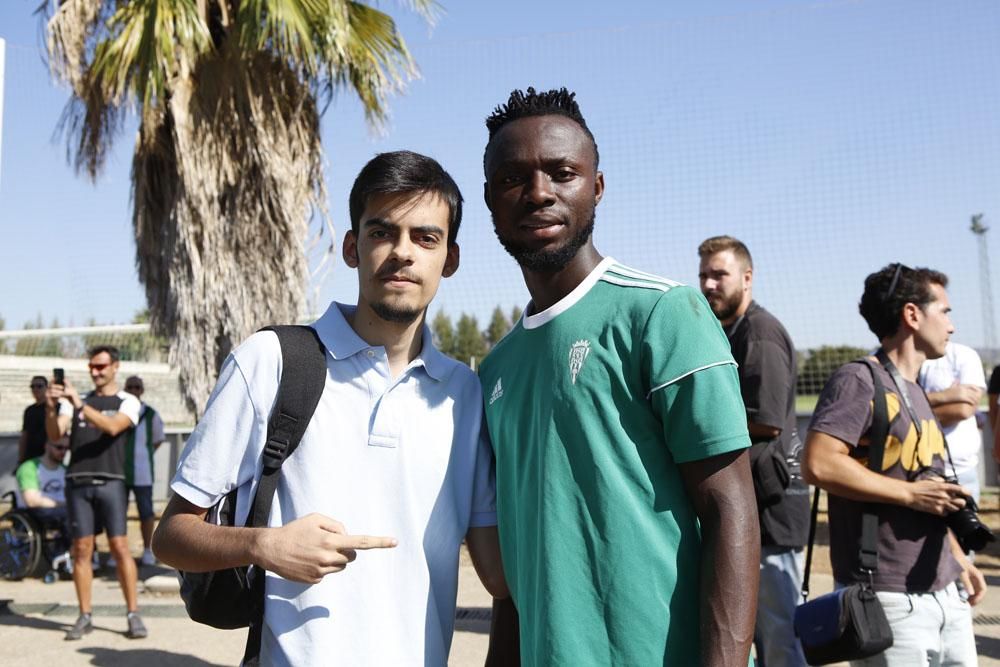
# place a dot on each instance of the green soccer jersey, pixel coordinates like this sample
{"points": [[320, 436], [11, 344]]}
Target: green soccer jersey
{"points": [[591, 405]]}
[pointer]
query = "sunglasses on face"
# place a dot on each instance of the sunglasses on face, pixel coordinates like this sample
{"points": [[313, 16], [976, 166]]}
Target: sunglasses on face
{"points": [[59, 448], [38, 386], [132, 387], [97, 367]]}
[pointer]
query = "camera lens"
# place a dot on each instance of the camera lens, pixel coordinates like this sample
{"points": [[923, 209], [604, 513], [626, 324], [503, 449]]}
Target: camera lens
{"points": [[971, 533]]}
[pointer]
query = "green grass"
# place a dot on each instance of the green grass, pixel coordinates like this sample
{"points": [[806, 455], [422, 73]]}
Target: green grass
{"points": [[806, 402]]}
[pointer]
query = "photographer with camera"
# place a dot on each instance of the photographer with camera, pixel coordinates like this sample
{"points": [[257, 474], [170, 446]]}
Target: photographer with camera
{"points": [[922, 514]]}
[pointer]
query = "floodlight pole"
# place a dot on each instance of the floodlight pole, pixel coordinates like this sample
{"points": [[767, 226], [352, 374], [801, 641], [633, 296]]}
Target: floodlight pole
{"points": [[985, 284]]}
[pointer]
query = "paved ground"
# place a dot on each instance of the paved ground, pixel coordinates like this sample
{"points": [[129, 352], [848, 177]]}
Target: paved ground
{"points": [[35, 615]]}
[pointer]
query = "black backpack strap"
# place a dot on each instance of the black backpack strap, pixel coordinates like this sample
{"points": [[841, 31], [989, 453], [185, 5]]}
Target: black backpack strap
{"points": [[877, 434], [303, 376]]}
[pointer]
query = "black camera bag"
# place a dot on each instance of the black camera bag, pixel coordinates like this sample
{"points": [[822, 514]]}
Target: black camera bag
{"points": [[849, 624], [234, 598]]}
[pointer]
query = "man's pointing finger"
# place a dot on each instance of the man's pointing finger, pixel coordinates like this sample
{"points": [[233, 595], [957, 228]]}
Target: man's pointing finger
{"points": [[367, 542]]}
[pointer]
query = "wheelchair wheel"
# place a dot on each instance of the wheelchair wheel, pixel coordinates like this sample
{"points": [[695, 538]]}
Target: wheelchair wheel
{"points": [[20, 546]]}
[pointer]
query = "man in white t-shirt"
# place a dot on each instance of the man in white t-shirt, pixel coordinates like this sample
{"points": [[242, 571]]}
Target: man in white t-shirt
{"points": [[142, 443], [954, 384], [396, 448]]}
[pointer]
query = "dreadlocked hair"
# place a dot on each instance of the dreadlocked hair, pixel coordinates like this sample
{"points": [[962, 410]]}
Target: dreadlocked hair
{"points": [[523, 104]]}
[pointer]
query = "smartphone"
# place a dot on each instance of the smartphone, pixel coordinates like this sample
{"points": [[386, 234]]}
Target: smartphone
{"points": [[58, 376]]}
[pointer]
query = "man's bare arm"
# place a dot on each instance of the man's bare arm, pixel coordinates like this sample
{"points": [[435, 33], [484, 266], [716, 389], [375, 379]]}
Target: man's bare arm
{"points": [[304, 550], [956, 403], [56, 425], [972, 579], [484, 550], [34, 498], [950, 414], [22, 445], [721, 490], [110, 424], [827, 463], [763, 431]]}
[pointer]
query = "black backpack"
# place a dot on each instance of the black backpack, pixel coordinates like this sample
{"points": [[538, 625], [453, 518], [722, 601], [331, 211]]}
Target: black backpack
{"points": [[234, 598]]}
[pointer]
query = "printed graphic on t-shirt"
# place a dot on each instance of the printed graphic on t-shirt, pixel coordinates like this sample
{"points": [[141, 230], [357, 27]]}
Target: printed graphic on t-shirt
{"points": [[915, 452]]}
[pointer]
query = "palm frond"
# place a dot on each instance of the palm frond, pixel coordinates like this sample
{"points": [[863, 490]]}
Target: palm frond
{"points": [[148, 43], [227, 172]]}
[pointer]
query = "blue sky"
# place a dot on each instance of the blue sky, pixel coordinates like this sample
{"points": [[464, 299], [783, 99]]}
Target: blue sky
{"points": [[833, 137]]}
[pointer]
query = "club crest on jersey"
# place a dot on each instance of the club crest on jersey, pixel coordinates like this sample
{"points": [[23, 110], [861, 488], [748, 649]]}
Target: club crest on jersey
{"points": [[497, 391], [577, 355]]}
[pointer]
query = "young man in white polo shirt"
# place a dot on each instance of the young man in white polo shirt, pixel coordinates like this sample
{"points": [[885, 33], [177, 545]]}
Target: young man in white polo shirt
{"points": [[395, 449]]}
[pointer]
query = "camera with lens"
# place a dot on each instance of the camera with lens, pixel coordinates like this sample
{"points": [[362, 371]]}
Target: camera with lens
{"points": [[972, 534]]}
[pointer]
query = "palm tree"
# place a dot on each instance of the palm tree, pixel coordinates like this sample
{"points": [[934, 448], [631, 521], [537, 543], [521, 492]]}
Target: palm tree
{"points": [[227, 170]]}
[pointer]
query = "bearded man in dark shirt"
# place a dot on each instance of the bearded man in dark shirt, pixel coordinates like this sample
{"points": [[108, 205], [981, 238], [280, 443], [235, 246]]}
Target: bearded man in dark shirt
{"points": [[766, 365]]}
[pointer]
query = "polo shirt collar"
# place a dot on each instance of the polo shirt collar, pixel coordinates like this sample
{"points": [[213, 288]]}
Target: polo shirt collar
{"points": [[342, 341]]}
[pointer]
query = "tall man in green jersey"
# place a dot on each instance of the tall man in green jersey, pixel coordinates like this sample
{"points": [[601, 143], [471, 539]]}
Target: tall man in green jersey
{"points": [[627, 518]]}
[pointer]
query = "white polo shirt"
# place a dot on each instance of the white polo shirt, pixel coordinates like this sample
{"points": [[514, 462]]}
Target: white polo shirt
{"points": [[406, 458], [961, 364]]}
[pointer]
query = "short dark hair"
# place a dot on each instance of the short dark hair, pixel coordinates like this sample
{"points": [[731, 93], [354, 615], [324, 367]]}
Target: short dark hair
{"points": [[715, 244], [110, 349], [39, 378], [400, 172], [889, 289], [523, 104]]}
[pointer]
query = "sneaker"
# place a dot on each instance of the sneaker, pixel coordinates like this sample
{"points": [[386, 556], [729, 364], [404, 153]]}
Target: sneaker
{"points": [[83, 626], [136, 629], [147, 557]]}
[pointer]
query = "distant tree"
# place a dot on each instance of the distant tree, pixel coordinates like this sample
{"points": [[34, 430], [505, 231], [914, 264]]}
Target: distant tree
{"points": [[3, 323], [515, 315], [470, 345], [444, 333], [820, 364], [498, 328]]}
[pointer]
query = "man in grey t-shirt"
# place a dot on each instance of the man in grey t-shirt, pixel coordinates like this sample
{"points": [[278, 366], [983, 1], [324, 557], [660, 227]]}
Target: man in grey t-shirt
{"points": [[919, 558]]}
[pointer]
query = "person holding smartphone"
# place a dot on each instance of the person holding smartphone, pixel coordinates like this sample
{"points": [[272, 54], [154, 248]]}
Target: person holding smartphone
{"points": [[98, 425]]}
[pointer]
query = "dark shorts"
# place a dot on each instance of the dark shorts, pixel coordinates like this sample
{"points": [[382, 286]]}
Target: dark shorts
{"points": [[143, 501], [92, 504]]}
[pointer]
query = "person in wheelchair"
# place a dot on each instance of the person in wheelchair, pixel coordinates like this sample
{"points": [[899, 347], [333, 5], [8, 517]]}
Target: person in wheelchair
{"points": [[34, 535], [42, 480]]}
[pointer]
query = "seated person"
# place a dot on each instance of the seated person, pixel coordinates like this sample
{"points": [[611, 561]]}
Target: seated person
{"points": [[42, 480]]}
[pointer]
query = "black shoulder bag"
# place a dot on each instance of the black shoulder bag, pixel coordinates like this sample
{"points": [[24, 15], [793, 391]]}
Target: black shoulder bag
{"points": [[849, 624], [234, 598]]}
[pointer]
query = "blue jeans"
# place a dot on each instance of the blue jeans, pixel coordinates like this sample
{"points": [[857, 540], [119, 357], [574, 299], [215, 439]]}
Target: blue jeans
{"points": [[932, 629], [780, 591]]}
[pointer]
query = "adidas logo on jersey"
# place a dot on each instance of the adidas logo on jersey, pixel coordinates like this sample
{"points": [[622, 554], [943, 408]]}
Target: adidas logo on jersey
{"points": [[497, 391], [577, 355]]}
